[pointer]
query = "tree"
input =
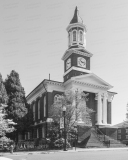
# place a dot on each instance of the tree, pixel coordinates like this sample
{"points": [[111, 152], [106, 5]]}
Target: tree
{"points": [[6, 125], [17, 109], [77, 113]]}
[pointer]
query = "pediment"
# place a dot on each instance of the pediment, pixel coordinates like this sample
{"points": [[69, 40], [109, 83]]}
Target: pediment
{"points": [[91, 79]]}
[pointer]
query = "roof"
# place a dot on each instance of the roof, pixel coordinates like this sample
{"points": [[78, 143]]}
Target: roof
{"points": [[76, 18], [92, 79], [122, 125], [40, 84]]}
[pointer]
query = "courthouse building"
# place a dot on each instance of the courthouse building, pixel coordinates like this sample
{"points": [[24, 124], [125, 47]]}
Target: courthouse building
{"points": [[77, 75]]}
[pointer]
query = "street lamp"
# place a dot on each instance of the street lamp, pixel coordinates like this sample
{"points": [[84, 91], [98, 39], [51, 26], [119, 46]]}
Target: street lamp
{"points": [[64, 111]]}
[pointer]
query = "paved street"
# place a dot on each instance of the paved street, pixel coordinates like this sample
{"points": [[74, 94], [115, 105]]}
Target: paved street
{"points": [[90, 155]]}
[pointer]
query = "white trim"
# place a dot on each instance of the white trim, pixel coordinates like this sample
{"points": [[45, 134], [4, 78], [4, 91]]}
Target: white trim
{"points": [[70, 51], [91, 85], [35, 95], [76, 25], [87, 85], [78, 69], [94, 75], [76, 36], [40, 90], [82, 37]]}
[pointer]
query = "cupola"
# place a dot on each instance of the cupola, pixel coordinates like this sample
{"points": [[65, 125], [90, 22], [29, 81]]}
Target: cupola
{"points": [[76, 32]]}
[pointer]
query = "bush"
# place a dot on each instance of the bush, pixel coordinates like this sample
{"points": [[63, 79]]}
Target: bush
{"points": [[59, 143]]}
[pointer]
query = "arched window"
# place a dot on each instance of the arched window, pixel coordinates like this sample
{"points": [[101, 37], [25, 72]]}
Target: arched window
{"points": [[81, 36], [34, 111], [57, 98], [39, 109], [74, 36], [69, 38], [44, 106]]}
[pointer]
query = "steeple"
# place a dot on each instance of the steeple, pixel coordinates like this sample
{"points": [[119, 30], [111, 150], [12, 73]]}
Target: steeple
{"points": [[76, 32], [76, 58], [76, 18]]}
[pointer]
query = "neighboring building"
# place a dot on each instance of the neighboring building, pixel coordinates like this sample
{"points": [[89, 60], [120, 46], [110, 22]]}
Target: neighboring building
{"points": [[122, 129], [77, 75]]}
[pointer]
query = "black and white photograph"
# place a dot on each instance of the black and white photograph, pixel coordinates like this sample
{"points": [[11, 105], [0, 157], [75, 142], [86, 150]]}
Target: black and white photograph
{"points": [[63, 79]]}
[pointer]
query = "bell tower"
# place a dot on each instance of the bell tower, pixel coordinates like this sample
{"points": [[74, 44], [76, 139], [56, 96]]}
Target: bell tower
{"points": [[76, 32], [76, 58]]}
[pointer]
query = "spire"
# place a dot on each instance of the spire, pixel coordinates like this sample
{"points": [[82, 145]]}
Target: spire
{"points": [[76, 18]]}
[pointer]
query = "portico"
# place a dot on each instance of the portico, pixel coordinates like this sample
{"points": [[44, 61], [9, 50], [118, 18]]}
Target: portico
{"points": [[91, 83]]}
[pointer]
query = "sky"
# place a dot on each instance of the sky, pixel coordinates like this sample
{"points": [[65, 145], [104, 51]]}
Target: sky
{"points": [[33, 39]]}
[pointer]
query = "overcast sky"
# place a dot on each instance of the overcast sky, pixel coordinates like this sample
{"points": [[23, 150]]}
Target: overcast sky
{"points": [[33, 39]]}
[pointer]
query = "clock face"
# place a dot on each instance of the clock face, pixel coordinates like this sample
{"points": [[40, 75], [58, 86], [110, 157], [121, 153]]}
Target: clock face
{"points": [[68, 63], [81, 62]]}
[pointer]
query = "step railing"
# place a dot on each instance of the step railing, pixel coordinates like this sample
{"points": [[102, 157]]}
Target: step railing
{"points": [[102, 137]]}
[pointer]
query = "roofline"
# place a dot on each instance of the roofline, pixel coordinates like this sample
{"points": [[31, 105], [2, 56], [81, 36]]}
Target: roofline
{"points": [[112, 92], [40, 84]]}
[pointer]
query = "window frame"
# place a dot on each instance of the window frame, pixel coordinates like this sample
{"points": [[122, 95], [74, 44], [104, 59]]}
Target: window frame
{"points": [[39, 109], [37, 133], [119, 130], [43, 132], [45, 106], [34, 112], [126, 136], [119, 136], [81, 38], [126, 130], [74, 31]]}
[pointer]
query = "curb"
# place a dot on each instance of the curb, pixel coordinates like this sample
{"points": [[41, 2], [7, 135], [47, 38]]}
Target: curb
{"points": [[68, 151]]}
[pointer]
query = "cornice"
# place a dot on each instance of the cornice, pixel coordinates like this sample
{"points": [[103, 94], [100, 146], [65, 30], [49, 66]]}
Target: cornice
{"points": [[91, 85], [78, 69], [35, 96], [55, 83], [86, 84], [70, 51], [76, 25], [37, 92]]}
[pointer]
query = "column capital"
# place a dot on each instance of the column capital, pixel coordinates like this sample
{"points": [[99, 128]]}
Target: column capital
{"points": [[105, 95], [96, 96], [110, 98]]}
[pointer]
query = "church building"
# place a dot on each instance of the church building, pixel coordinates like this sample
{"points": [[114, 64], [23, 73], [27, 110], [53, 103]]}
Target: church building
{"points": [[77, 76]]}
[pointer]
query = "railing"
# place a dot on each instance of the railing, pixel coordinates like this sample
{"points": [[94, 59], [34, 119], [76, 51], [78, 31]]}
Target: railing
{"points": [[102, 137]]}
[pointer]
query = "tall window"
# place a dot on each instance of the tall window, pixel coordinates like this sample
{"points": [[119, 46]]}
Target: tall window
{"points": [[28, 135], [74, 35], [43, 132], [69, 39], [126, 130], [44, 106], [119, 130], [39, 109], [34, 111], [37, 133], [81, 36]]}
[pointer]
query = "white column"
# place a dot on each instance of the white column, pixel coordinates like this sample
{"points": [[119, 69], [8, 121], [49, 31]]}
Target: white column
{"points": [[99, 109], [105, 109]]}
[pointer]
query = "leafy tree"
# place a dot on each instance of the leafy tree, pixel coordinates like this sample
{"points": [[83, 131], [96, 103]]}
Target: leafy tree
{"points": [[17, 109], [6, 125], [77, 113]]}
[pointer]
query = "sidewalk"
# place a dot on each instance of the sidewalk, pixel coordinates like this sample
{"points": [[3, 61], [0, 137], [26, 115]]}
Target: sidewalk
{"points": [[61, 151]]}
